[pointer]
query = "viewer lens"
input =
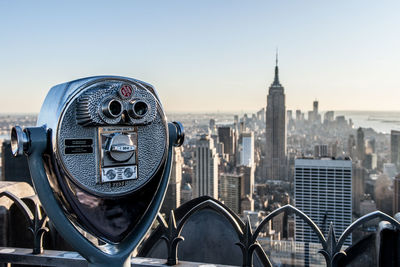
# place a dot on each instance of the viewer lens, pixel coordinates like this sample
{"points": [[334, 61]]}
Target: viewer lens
{"points": [[115, 108], [140, 108]]}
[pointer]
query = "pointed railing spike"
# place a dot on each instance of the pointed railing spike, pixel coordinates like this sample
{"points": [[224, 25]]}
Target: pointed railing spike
{"points": [[36, 221]]}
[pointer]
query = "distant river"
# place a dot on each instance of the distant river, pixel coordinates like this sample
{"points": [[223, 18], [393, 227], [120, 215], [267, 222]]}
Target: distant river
{"points": [[380, 121]]}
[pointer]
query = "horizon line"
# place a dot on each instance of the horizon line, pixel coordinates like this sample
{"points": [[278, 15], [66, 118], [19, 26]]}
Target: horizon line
{"points": [[228, 111]]}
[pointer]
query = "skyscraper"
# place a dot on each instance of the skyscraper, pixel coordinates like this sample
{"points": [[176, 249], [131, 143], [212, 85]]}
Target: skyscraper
{"points": [[351, 146], [315, 108], [276, 130], [321, 151], [396, 195], [358, 191], [315, 116], [261, 115], [395, 147], [232, 190], [322, 190], [248, 176], [206, 177], [172, 198], [186, 193], [360, 144], [289, 114], [329, 116], [226, 136], [246, 149], [298, 114]]}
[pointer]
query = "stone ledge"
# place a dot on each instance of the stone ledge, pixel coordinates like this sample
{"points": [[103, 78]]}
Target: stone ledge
{"points": [[67, 258]]}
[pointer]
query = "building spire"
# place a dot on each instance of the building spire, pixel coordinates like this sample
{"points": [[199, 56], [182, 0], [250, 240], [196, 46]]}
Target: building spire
{"points": [[276, 79]]}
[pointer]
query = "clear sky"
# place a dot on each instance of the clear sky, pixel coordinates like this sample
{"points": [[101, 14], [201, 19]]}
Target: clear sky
{"points": [[206, 55]]}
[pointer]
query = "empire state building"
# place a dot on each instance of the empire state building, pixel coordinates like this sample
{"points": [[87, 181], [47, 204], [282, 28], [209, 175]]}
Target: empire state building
{"points": [[276, 130]]}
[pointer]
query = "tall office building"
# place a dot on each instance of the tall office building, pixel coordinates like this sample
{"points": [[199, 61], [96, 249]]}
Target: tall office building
{"points": [[371, 145], [322, 190], [289, 115], [172, 198], [396, 195], [298, 114], [351, 146], [276, 130], [261, 115], [360, 144], [395, 147], [231, 190], [246, 149], [213, 127], [317, 116], [329, 116], [321, 151], [315, 107], [370, 161], [248, 176], [206, 177], [313, 115], [186, 193], [226, 136], [358, 191]]}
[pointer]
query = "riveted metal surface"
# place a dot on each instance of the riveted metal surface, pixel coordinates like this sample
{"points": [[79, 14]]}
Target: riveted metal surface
{"points": [[151, 151], [69, 148], [84, 168], [89, 106]]}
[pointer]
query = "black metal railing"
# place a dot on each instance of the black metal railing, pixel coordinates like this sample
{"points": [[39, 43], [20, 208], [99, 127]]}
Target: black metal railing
{"points": [[36, 221], [332, 247]]}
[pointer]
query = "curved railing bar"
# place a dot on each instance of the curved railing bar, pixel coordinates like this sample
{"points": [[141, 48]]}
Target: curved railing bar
{"points": [[261, 250], [210, 204], [163, 223], [20, 204], [248, 245], [36, 222], [362, 220], [290, 208]]}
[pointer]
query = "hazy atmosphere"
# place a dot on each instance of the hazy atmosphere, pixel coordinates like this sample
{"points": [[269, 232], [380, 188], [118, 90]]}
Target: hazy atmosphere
{"points": [[345, 54], [277, 142]]}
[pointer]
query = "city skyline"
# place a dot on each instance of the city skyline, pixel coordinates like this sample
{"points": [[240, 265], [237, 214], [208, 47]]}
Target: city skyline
{"points": [[208, 56]]}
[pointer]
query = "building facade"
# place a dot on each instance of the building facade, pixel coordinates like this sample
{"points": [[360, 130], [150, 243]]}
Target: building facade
{"points": [[246, 149], [276, 130], [360, 144], [172, 199], [206, 175], [248, 175], [396, 194], [322, 190], [226, 135], [395, 147], [231, 190]]}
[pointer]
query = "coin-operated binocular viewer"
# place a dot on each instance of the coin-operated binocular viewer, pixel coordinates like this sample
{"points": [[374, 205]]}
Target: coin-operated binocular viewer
{"points": [[100, 160]]}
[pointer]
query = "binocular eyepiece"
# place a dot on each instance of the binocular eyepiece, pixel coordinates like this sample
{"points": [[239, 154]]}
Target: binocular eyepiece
{"points": [[108, 153], [123, 104], [113, 108]]}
